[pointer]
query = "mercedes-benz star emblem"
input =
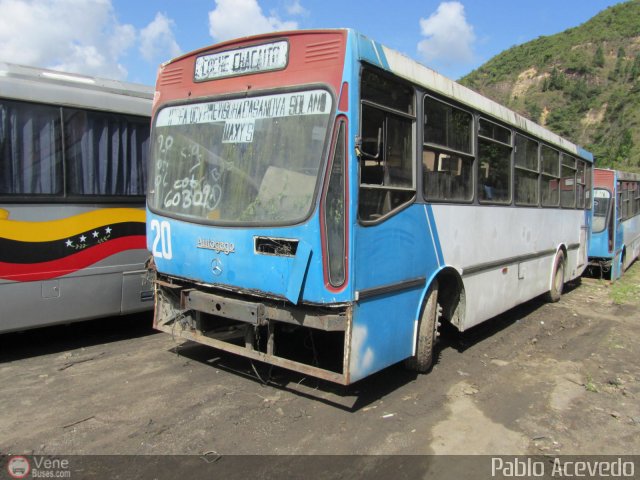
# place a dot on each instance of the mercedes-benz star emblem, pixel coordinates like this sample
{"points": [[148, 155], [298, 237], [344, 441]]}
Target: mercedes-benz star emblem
{"points": [[216, 267]]}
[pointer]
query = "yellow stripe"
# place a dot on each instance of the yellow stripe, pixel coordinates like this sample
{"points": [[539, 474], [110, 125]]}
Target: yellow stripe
{"points": [[67, 227]]}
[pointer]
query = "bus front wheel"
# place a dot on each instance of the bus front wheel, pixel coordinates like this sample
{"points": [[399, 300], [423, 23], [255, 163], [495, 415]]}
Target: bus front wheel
{"points": [[557, 283], [427, 333]]}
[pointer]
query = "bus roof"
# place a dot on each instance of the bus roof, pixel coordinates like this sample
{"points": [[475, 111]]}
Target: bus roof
{"points": [[19, 82], [628, 176]]}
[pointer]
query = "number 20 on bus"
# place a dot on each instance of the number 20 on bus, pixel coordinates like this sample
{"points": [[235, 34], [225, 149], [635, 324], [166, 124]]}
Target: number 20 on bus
{"points": [[161, 239]]}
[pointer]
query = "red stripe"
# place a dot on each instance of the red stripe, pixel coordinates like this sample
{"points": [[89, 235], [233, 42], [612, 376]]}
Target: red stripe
{"points": [[72, 263]]}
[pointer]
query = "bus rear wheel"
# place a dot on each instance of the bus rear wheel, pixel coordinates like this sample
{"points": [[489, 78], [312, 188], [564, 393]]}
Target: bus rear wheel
{"points": [[428, 325], [557, 284]]}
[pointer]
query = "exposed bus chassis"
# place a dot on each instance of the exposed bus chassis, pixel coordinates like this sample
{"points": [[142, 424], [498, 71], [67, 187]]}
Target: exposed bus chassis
{"points": [[309, 339], [603, 265]]}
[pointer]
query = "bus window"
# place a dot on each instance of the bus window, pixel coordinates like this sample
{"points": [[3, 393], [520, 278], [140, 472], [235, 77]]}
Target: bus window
{"points": [[526, 171], [386, 91], [386, 143], [580, 184], [30, 149], [242, 160], [334, 211], [601, 205], [106, 153], [550, 177], [447, 176], [447, 172], [447, 126], [494, 153], [619, 202], [568, 184]]}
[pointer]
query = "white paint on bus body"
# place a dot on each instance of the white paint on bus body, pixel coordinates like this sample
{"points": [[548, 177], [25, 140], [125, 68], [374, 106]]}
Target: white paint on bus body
{"points": [[472, 236]]}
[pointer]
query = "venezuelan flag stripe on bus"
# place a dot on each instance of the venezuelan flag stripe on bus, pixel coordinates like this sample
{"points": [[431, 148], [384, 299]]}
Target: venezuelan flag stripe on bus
{"points": [[42, 250]]}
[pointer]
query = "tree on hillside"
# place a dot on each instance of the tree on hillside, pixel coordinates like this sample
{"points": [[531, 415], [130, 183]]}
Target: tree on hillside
{"points": [[555, 81], [623, 155], [635, 69], [598, 58], [533, 110], [618, 70]]}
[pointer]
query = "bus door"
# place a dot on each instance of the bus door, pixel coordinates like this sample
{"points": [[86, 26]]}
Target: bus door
{"points": [[389, 240], [618, 233]]}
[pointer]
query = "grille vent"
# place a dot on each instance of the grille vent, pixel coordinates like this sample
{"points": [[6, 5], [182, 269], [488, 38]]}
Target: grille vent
{"points": [[171, 76], [322, 51]]}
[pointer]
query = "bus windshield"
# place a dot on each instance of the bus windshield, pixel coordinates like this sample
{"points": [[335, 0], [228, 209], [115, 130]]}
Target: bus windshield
{"points": [[601, 201], [253, 160]]}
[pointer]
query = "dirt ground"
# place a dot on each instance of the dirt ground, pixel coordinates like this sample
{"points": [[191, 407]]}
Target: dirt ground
{"points": [[543, 378]]}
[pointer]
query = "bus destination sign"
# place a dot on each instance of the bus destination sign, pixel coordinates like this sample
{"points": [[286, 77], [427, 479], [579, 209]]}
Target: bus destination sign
{"points": [[254, 59]]}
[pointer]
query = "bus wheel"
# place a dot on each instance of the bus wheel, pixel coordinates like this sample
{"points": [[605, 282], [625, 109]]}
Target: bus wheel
{"points": [[427, 333], [557, 285]]}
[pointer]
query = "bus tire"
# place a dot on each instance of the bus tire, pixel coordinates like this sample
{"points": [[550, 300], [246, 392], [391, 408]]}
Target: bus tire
{"points": [[427, 333], [557, 282]]}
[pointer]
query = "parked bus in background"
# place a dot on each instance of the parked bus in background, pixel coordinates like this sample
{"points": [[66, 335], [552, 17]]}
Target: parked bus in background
{"points": [[320, 202], [615, 233], [73, 154]]}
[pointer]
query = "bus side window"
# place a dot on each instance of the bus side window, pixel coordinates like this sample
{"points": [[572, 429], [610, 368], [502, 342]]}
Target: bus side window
{"points": [[371, 167], [447, 176], [568, 184], [494, 153], [386, 145], [447, 155], [550, 177], [30, 149]]}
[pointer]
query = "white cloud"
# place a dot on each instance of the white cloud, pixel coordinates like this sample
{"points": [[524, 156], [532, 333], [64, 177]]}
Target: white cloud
{"points": [[449, 38], [295, 8], [239, 18], [157, 40], [71, 35], [79, 36]]}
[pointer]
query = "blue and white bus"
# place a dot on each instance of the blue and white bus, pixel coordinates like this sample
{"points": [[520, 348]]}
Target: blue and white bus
{"points": [[615, 235], [322, 203]]}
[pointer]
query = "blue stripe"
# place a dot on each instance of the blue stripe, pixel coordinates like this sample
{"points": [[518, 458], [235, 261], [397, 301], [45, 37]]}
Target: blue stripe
{"points": [[434, 232], [585, 154], [371, 51]]}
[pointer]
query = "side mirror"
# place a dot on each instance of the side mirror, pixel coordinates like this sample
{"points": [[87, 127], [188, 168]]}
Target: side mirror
{"points": [[361, 153]]}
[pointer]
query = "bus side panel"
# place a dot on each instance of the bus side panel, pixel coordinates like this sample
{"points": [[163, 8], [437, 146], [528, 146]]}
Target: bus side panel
{"points": [[383, 332], [494, 291], [64, 263], [64, 300], [631, 240], [506, 254], [398, 251]]}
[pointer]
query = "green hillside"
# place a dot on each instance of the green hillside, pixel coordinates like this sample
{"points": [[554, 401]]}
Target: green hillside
{"points": [[583, 83]]}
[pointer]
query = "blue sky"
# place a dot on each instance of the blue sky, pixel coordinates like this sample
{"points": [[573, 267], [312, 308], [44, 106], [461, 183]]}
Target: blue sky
{"points": [[128, 39]]}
